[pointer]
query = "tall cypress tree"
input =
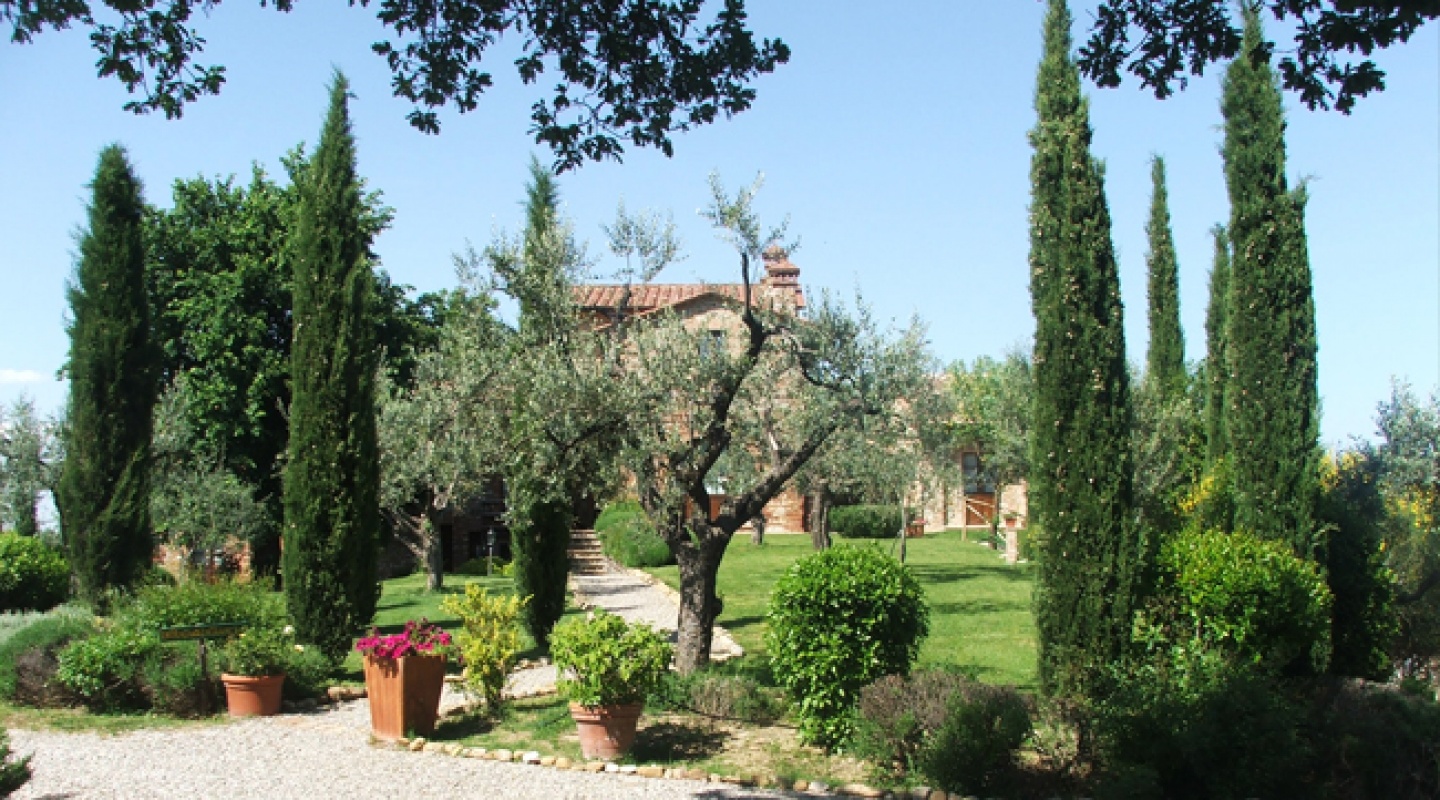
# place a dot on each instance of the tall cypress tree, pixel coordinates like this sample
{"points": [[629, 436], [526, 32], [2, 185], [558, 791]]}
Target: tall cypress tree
{"points": [[1165, 359], [1271, 401], [541, 512], [332, 479], [104, 489], [1093, 564], [1216, 368]]}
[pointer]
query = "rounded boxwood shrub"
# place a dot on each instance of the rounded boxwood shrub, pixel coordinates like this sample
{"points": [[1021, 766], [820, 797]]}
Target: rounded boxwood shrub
{"points": [[837, 620], [866, 521], [33, 576]]}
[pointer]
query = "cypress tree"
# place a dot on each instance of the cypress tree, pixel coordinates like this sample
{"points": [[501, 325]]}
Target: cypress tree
{"points": [[332, 479], [104, 489], [1271, 401], [1215, 363], [541, 514], [1165, 359], [1092, 566]]}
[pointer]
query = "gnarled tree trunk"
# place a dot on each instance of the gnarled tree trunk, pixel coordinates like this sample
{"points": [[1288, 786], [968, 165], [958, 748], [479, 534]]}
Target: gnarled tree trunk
{"points": [[699, 561]]}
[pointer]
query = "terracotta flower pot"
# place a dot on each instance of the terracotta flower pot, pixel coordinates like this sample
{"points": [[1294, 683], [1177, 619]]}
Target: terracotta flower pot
{"points": [[253, 695], [404, 694], [606, 732]]}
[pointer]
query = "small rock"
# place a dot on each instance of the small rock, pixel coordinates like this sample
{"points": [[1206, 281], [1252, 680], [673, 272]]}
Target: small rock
{"points": [[595, 766], [651, 772], [502, 755], [612, 767], [402, 741], [548, 761], [344, 694], [860, 790], [923, 793], [800, 785], [435, 747], [737, 780], [455, 749], [819, 786], [696, 775], [531, 757], [562, 763], [478, 752], [628, 769], [416, 745], [517, 756]]}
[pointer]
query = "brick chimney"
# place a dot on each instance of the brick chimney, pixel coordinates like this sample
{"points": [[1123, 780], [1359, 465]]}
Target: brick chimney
{"points": [[782, 278]]}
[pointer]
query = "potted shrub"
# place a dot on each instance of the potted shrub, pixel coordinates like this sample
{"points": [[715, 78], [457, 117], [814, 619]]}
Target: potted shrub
{"points": [[253, 670], [404, 677], [606, 668]]}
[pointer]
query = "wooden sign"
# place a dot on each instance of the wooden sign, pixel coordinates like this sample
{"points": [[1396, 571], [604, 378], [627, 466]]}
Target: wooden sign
{"points": [[213, 630]]}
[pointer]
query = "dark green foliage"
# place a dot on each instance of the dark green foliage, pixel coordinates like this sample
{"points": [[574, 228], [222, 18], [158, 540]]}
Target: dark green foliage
{"points": [[628, 537], [1364, 622], [14, 772], [1377, 743], [33, 576], [1094, 565], [1169, 453], [866, 521], [27, 657], [1216, 363], [1271, 401], [332, 478], [1224, 735], [974, 751], [540, 543], [837, 620], [175, 686], [1165, 359], [104, 490], [1246, 599]]}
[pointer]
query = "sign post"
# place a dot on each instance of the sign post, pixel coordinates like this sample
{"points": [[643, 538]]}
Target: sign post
{"points": [[199, 634]]}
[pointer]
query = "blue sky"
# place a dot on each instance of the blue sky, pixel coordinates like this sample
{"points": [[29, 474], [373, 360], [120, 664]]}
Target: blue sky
{"points": [[895, 142]]}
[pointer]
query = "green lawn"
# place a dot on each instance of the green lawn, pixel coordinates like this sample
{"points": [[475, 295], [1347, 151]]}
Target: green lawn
{"points": [[979, 607]]}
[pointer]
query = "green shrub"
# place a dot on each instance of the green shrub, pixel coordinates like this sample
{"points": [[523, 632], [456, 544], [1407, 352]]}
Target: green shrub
{"points": [[173, 683], [603, 660], [104, 669], [489, 640], [974, 750], [308, 674], [260, 650], [732, 697], [477, 566], [897, 715], [33, 576], [837, 620], [196, 602], [14, 772], [866, 522], [1250, 600], [29, 656], [628, 538]]}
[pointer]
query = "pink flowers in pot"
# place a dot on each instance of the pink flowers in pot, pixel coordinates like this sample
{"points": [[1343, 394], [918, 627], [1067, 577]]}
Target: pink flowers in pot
{"points": [[417, 639]]}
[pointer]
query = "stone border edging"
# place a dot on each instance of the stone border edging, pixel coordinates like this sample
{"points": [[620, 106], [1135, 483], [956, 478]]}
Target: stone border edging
{"points": [[655, 771]]}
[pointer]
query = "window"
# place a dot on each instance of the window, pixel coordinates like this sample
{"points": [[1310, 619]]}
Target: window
{"points": [[976, 480], [712, 344]]}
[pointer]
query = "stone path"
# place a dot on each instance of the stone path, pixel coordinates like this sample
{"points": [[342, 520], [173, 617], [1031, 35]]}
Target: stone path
{"points": [[630, 593]]}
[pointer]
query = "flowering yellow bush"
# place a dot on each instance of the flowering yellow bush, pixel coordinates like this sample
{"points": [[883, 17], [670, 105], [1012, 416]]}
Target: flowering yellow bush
{"points": [[489, 641]]}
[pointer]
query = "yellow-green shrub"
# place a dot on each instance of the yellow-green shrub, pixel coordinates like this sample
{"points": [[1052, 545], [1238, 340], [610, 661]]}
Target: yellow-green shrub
{"points": [[489, 640]]}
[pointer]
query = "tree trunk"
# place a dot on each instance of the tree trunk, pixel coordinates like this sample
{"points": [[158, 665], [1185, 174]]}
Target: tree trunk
{"points": [[434, 556], [757, 531], [699, 563], [820, 517]]}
